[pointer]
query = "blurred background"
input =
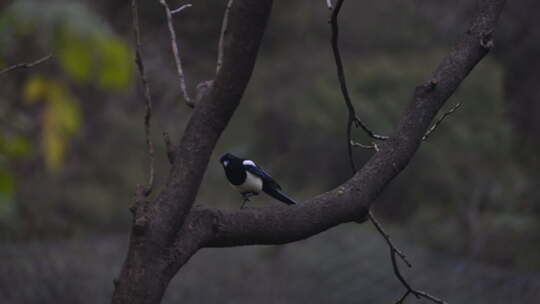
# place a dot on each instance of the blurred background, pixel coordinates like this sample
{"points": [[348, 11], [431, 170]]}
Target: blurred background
{"points": [[466, 210]]}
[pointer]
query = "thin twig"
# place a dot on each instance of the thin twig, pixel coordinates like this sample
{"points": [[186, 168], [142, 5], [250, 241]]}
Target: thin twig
{"points": [[189, 102], [329, 4], [403, 297], [181, 8], [417, 293], [169, 147], [352, 118], [147, 96], [393, 252], [386, 236], [222, 35], [373, 146], [440, 120], [25, 65]]}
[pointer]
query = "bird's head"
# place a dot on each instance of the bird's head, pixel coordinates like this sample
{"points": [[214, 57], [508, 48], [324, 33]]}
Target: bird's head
{"points": [[227, 158]]}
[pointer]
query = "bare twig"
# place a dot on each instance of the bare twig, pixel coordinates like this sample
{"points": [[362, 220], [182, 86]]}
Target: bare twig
{"points": [[147, 96], [388, 239], [373, 146], [438, 122], [417, 293], [393, 252], [190, 102], [329, 4], [181, 8], [403, 297], [25, 65], [353, 118], [222, 35]]}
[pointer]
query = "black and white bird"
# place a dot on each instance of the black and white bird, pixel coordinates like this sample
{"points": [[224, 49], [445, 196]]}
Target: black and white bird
{"points": [[250, 179]]}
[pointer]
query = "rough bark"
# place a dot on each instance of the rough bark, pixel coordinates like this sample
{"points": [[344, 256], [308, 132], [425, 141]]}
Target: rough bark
{"points": [[168, 231]]}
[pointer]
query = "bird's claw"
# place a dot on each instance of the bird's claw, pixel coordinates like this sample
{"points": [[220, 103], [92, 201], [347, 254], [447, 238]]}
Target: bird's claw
{"points": [[246, 199]]}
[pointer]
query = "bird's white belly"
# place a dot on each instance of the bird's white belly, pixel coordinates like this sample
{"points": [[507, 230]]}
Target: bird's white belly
{"points": [[251, 184]]}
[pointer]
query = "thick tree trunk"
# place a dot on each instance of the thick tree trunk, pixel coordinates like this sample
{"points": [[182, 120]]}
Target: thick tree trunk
{"points": [[153, 257]]}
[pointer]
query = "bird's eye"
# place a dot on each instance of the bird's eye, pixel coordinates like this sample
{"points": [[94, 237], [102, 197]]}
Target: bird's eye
{"points": [[225, 163]]}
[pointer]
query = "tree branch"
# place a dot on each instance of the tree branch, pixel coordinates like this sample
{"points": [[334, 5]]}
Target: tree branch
{"points": [[25, 65], [388, 240], [224, 26], [352, 117], [174, 45], [393, 252], [351, 201], [147, 97]]}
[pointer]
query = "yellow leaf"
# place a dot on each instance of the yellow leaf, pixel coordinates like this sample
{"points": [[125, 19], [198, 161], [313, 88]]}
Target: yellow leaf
{"points": [[61, 120], [65, 110], [35, 88], [53, 142]]}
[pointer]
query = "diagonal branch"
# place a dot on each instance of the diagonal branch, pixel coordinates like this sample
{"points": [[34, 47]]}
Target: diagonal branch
{"points": [[147, 96], [25, 65], [352, 200], [352, 116], [224, 29]]}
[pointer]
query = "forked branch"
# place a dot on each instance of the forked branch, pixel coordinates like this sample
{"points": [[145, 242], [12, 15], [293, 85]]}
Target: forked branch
{"points": [[397, 271], [174, 46], [353, 118]]}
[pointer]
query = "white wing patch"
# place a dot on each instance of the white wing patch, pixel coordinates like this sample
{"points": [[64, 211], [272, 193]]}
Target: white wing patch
{"points": [[248, 162]]}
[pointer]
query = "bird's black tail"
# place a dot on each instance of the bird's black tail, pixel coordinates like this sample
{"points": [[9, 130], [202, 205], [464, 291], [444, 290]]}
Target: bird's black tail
{"points": [[277, 194]]}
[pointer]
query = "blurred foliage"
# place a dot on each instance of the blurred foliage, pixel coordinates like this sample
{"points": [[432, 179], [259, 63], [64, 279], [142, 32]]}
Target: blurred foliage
{"points": [[45, 110]]}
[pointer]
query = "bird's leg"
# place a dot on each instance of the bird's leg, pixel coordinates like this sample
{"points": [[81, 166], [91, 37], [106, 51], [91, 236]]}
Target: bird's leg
{"points": [[246, 197]]}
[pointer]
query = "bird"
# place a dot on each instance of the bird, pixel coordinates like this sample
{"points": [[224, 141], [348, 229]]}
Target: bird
{"points": [[250, 179]]}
